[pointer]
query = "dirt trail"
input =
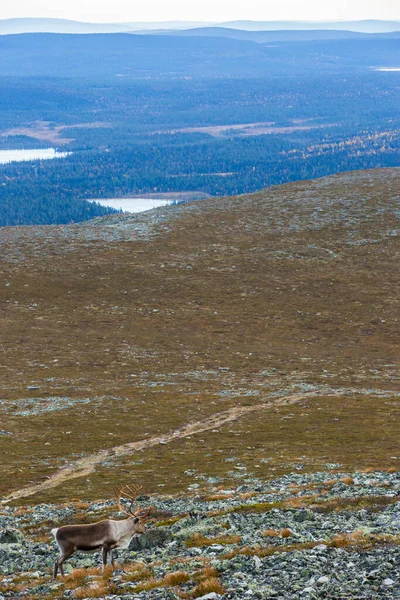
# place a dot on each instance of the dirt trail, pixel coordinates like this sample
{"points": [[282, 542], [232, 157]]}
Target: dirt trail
{"points": [[85, 466]]}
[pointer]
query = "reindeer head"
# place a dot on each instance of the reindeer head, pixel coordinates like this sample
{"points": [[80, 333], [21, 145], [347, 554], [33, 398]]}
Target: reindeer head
{"points": [[137, 517], [139, 526]]}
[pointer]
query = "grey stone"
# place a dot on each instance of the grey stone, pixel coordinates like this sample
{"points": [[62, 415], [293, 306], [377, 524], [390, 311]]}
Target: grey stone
{"points": [[151, 539], [11, 536], [301, 574]]}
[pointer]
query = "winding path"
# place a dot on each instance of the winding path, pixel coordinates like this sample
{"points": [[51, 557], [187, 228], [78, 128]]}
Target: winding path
{"points": [[85, 466]]}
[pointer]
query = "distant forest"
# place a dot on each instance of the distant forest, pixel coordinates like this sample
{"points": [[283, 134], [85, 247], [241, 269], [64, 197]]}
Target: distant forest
{"points": [[132, 113]]}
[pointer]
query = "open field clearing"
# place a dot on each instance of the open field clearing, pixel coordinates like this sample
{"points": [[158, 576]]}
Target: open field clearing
{"points": [[46, 132], [264, 128]]}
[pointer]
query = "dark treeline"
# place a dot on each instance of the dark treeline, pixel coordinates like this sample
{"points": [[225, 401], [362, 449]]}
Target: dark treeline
{"points": [[362, 99], [49, 188], [168, 56], [127, 133]]}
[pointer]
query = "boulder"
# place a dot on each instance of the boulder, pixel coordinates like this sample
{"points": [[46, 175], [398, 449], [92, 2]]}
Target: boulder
{"points": [[151, 539], [11, 536]]}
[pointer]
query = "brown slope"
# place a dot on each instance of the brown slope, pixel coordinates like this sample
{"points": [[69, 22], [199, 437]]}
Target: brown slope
{"points": [[136, 326]]}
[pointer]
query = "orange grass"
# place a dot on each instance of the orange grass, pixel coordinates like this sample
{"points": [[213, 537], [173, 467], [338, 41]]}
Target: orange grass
{"points": [[283, 533], [176, 578], [205, 573], [212, 584], [95, 590], [199, 541], [138, 575], [347, 480], [148, 585], [216, 497], [357, 540]]}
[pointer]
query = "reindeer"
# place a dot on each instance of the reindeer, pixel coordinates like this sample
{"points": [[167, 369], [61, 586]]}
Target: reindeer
{"points": [[107, 534]]}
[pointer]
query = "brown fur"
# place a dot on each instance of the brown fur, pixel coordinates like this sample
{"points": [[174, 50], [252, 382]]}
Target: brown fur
{"points": [[107, 535]]}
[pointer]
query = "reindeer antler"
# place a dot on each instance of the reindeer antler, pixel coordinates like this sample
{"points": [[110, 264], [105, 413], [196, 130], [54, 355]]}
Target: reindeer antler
{"points": [[130, 492]]}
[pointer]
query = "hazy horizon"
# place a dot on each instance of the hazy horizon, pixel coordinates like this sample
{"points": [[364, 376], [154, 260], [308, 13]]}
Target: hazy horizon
{"points": [[196, 22], [208, 12]]}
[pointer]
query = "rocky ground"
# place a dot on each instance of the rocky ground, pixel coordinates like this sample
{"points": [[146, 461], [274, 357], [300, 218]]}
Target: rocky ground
{"points": [[329, 534]]}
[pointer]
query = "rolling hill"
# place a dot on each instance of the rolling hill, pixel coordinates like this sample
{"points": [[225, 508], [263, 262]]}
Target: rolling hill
{"points": [[262, 326], [365, 26], [161, 56], [265, 36], [30, 25], [41, 25]]}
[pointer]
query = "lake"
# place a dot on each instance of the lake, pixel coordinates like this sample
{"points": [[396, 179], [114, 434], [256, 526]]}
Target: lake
{"points": [[8, 156], [387, 69], [132, 205]]}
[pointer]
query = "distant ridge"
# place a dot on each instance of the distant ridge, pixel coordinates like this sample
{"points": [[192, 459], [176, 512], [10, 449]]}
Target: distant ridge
{"points": [[126, 55], [264, 36], [366, 26], [32, 25], [38, 25]]}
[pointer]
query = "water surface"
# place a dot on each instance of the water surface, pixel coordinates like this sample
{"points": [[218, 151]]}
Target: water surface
{"points": [[8, 156], [387, 69], [133, 205]]}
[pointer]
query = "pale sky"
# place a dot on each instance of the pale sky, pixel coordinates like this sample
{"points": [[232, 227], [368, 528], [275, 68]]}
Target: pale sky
{"points": [[98, 11]]}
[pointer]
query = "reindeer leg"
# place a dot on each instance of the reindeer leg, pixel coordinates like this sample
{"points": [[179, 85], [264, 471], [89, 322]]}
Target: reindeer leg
{"points": [[112, 558], [104, 555], [65, 553], [61, 569]]}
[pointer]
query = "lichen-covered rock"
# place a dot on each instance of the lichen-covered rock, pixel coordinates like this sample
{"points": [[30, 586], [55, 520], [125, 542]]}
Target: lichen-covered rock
{"points": [[150, 539], [240, 537], [11, 536]]}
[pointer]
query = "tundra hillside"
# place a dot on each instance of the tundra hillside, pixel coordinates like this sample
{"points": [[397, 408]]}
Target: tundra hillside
{"points": [[235, 335]]}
